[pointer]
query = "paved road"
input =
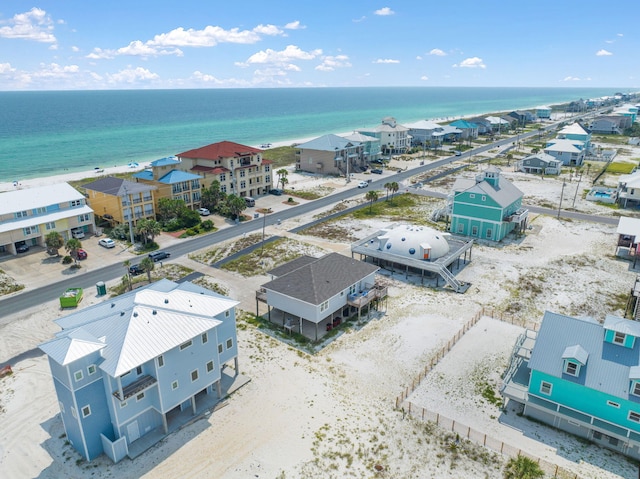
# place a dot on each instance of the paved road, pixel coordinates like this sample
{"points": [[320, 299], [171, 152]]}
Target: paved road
{"points": [[21, 301]]}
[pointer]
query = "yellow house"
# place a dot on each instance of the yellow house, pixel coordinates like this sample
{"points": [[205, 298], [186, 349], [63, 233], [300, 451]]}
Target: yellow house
{"points": [[119, 201]]}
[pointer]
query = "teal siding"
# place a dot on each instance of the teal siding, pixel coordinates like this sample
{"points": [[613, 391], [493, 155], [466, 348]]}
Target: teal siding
{"points": [[588, 401], [629, 341]]}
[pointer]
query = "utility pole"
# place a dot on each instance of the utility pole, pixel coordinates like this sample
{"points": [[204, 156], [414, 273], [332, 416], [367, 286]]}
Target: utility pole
{"points": [[577, 188], [564, 183], [130, 204], [264, 223]]}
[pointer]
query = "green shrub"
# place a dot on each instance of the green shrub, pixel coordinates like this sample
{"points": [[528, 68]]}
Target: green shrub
{"points": [[192, 232], [290, 200], [67, 260], [207, 225]]}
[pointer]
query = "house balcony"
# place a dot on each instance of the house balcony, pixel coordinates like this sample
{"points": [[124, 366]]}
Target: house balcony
{"points": [[261, 295], [519, 216], [361, 299], [139, 385]]}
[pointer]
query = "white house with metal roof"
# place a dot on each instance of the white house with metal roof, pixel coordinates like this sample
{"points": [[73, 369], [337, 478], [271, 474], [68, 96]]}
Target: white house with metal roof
{"points": [[394, 137], [126, 368], [570, 152], [581, 376], [330, 155], [28, 215], [628, 190]]}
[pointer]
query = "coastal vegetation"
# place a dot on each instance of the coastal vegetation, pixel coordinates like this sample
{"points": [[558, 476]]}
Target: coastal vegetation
{"points": [[281, 156]]}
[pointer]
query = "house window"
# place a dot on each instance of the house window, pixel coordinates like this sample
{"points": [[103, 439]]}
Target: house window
{"points": [[194, 375], [635, 389], [545, 388], [223, 188], [123, 404], [324, 306], [227, 313], [184, 346], [91, 369], [30, 230], [613, 404], [619, 337], [352, 289], [78, 375], [484, 198], [174, 385], [220, 348], [205, 338], [243, 185], [210, 366], [76, 203], [460, 228], [472, 195], [474, 231], [242, 174], [229, 343], [21, 214], [86, 411], [139, 370], [50, 226], [489, 233], [160, 361], [223, 177], [140, 397], [571, 368], [634, 416], [84, 217]]}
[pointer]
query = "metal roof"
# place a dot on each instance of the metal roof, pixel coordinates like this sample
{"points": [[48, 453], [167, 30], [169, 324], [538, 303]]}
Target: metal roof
{"points": [[621, 325], [573, 129], [77, 344], [360, 138], [327, 143], [118, 187], [170, 160], [505, 194], [321, 279], [38, 197], [177, 176], [609, 366], [576, 352], [20, 223], [629, 226]]}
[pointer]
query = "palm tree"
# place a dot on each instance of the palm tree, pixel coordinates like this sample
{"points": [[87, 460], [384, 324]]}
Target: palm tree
{"points": [[236, 205], [371, 196], [72, 246], [394, 188], [54, 242], [148, 229], [509, 158], [126, 265], [522, 468], [282, 177], [147, 266], [387, 186]]}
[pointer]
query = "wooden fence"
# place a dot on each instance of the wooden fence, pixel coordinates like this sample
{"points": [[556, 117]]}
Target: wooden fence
{"points": [[462, 429]]}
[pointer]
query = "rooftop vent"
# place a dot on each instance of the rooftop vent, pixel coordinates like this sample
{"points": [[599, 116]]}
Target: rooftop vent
{"points": [[155, 312], [166, 301], [135, 314]]}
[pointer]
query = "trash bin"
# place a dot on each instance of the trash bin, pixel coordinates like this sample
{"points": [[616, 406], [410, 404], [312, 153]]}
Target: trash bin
{"points": [[102, 288]]}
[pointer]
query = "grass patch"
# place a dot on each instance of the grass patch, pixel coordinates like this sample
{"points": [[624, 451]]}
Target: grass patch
{"points": [[619, 168], [205, 282], [314, 194], [214, 255], [403, 207], [171, 271], [281, 156]]}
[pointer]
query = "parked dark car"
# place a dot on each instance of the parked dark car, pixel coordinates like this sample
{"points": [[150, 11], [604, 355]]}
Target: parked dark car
{"points": [[159, 255], [135, 270], [22, 248], [376, 171], [82, 254], [276, 191]]}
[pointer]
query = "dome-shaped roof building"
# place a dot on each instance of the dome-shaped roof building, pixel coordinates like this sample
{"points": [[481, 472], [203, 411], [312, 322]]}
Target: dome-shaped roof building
{"points": [[419, 242]]}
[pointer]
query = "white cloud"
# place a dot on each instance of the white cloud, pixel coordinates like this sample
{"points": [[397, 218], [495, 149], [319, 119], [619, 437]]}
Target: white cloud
{"points": [[282, 57], [437, 52], [270, 30], [132, 75], [100, 54], [384, 11], [6, 68], [424, 78], [137, 48], [358, 20], [75, 49], [294, 26], [206, 78], [385, 61], [208, 37], [473, 62], [620, 34], [418, 57], [54, 70], [34, 25], [570, 78], [603, 53], [330, 63], [609, 41]]}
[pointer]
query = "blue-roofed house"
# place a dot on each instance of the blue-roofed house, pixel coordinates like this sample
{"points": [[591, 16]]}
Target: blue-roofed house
{"points": [[581, 376], [172, 182], [576, 132], [486, 207], [330, 155], [135, 366], [469, 129]]}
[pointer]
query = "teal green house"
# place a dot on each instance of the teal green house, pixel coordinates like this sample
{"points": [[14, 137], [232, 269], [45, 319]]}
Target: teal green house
{"points": [[486, 207], [581, 376]]}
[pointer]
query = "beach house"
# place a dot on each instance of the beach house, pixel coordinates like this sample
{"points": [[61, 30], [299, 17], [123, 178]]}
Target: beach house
{"points": [[171, 182], [469, 130], [577, 132], [569, 152], [331, 155], [370, 145], [581, 376], [486, 207], [132, 368], [628, 190], [543, 112], [28, 215], [241, 170], [540, 163], [394, 137], [312, 295], [120, 201], [610, 124]]}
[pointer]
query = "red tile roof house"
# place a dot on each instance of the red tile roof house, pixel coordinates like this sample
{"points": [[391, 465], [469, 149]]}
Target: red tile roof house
{"points": [[240, 169]]}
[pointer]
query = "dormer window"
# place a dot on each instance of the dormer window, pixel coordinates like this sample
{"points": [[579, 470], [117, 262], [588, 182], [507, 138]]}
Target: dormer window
{"points": [[619, 338], [571, 368], [635, 388]]}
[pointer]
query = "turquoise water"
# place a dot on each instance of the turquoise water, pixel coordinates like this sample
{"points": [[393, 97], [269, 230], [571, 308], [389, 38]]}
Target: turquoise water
{"points": [[48, 133]]}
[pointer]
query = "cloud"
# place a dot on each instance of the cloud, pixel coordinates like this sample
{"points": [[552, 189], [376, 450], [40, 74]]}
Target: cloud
{"points": [[75, 49], [283, 57], [418, 57], [424, 78], [358, 20], [207, 37], [100, 54], [603, 53], [137, 48], [206, 78], [385, 61], [54, 70], [437, 52], [570, 78], [270, 30], [6, 68], [34, 25], [294, 26], [132, 75], [330, 63], [620, 34], [473, 62], [384, 11]]}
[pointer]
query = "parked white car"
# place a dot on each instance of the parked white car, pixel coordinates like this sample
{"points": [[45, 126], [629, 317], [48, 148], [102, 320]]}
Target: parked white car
{"points": [[363, 184], [107, 243], [204, 212]]}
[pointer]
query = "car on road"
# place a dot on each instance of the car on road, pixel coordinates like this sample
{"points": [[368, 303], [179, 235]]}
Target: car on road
{"points": [[457, 153], [107, 243], [363, 184], [81, 254], [276, 192], [204, 211], [158, 255], [376, 171], [22, 247], [135, 270]]}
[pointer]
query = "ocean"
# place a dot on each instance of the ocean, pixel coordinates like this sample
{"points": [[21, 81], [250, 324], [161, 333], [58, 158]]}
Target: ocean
{"points": [[54, 132]]}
